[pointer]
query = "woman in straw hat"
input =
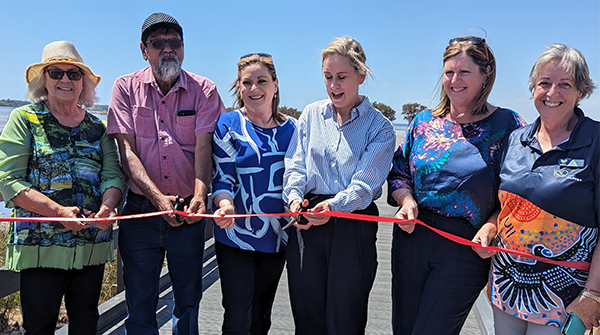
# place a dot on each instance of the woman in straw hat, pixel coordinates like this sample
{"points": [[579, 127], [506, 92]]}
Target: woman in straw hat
{"points": [[56, 161]]}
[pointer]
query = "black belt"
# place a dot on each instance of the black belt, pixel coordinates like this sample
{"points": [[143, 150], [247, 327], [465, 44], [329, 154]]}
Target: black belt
{"points": [[132, 195], [453, 225]]}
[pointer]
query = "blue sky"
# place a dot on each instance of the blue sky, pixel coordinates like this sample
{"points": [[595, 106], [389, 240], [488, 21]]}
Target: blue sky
{"points": [[404, 41]]}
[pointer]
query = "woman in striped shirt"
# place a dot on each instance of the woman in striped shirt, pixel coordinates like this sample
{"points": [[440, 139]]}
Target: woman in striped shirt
{"points": [[337, 160]]}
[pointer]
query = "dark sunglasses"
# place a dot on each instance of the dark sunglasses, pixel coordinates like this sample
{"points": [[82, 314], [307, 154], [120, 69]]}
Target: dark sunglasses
{"points": [[260, 54], [57, 74], [470, 40], [159, 44]]}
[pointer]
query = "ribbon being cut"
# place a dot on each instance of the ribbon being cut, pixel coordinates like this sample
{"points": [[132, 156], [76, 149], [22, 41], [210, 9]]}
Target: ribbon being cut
{"points": [[579, 265]]}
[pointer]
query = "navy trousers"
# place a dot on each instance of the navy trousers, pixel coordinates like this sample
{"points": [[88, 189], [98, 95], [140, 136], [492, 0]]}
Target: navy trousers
{"points": [[435, 281], [143, 244], [331, 270], [249, 282], [42, 291]]}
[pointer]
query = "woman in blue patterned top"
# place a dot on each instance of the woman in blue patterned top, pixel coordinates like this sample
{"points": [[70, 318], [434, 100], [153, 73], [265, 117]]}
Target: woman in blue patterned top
{"points": [[249, 145], [337, 161], [56, 160], [446, 174]]}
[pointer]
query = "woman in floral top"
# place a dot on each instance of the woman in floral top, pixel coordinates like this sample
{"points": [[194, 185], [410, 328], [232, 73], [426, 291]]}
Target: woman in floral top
{"points": [[446, 175], [56, 160]]}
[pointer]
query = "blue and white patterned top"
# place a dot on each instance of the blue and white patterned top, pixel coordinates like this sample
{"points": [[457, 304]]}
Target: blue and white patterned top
{"points": [[350, 161], [249, 166], [452, 169]]}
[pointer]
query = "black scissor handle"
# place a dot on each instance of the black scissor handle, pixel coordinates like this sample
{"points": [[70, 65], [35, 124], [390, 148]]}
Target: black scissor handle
{"points": [[178, 207]]}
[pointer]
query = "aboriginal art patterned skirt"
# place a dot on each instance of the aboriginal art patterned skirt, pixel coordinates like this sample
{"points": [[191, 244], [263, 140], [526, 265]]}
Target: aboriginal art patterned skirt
{"points": [[528, 289]]}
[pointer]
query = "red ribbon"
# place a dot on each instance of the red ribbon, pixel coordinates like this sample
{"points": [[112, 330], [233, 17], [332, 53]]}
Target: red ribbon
{"points": [[579, 265]]}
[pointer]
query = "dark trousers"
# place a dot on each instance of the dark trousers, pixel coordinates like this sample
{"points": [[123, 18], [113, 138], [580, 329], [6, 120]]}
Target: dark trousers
{"points": [[249, 282], [42, 291], [143, 244], [331, 273], [435, 281]]}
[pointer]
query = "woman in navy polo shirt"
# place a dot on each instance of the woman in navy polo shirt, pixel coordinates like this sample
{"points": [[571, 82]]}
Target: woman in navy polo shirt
{"points": [[549, 199]]}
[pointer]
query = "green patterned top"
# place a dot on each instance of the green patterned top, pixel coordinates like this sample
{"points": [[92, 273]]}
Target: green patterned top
{"points": [[73, 167]]}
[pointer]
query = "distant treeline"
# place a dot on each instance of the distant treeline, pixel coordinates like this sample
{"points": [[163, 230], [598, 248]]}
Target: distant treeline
{"points": [[12, 103], [101, 109]]}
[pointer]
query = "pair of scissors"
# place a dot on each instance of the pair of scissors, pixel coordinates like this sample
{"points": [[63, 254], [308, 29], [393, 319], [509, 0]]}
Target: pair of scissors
{"points": [[81, 212], [298, 218]]}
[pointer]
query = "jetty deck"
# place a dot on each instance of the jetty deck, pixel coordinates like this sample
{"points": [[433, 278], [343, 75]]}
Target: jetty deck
{"points": [[211, 311]]}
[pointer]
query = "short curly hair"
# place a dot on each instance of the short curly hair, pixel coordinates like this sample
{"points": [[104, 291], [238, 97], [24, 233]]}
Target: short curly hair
{"points": [[573, 62]]}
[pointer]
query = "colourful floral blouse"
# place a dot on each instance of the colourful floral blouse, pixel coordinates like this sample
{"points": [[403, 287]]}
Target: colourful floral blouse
{"points": [[72, 166], [452, 169]]}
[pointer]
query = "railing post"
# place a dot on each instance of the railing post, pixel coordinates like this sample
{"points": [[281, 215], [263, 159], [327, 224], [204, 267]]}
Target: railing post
{"points": [[120, 283]]}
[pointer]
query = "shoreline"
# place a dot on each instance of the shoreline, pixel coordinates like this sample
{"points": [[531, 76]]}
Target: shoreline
{"points": [[399, 138]]}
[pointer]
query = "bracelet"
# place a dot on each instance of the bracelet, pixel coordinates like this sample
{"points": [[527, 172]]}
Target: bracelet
{"points": [[590, 290], [591, 296]]}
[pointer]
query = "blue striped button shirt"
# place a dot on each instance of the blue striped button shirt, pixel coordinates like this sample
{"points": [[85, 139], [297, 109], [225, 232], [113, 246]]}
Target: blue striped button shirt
{"points": [[350, 161]]}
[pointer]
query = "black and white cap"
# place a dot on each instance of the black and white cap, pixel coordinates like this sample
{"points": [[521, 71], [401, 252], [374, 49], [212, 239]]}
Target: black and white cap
{"points": [[162, 19]]}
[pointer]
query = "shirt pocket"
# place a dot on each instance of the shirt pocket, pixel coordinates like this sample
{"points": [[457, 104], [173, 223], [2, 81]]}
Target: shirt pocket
{"points": [[185, 130], [144, 122]]}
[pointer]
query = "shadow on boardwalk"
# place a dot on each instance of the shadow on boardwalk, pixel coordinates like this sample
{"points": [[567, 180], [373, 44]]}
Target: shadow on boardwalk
{"points": [[211, 311]]}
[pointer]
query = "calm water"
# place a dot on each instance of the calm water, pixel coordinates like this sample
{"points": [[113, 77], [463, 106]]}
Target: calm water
{"points": [[4, 113]]}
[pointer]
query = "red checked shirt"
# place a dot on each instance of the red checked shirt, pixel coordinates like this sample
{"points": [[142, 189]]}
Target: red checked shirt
{"points": [[165, 127]]}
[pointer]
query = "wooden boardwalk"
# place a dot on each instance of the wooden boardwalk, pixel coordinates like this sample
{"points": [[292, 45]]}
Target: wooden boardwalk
{"points": [[211, 311]]}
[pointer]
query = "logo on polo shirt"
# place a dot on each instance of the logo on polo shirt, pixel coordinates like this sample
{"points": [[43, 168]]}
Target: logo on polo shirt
{"points": [[564, 173], [571, 162]]}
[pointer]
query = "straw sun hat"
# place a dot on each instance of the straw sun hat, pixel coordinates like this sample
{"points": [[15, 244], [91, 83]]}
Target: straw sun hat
{"points": [[59, 52]]}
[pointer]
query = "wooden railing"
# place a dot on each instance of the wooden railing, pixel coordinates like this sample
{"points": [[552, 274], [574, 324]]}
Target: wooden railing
{"points": [[114, 309]]}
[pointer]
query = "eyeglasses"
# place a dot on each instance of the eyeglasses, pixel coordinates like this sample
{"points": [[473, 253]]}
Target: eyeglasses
{"points": [[470, 40], [159, 44], [260, 54], [57, 74]]}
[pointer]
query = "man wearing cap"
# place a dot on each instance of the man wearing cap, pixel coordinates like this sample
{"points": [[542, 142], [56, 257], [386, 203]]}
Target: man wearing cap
{"points": [[163, 118]]}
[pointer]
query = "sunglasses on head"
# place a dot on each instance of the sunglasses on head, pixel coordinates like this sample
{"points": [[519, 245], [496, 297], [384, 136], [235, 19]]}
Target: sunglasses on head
{"points": [[470, 40], [159, 43], [260, 54], [57, 74]]}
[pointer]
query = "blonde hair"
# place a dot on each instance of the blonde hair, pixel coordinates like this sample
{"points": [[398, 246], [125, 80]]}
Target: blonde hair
{"points": [[482, 55], [348, 47], [36, 90]]}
